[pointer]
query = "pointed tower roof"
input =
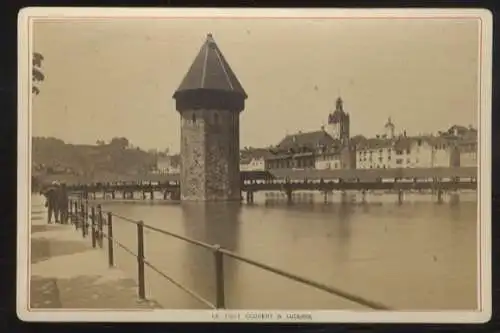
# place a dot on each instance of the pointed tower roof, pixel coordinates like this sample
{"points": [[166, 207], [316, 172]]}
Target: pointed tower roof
{"points": [[210, 71], [389, 123]]}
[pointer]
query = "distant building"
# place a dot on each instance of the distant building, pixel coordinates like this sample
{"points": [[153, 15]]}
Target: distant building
{"points": [[328, 148], [254, 159], [336, 156], [466, 139], [168, 164], [407, 152], [468, 153], [298, 151]]}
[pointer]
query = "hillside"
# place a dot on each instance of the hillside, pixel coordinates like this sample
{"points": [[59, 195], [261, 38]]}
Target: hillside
{"points": [[53, 156]]}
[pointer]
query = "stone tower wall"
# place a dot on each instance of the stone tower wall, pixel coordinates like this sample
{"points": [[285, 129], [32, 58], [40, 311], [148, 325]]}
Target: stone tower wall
{"points": [[210, 155]]}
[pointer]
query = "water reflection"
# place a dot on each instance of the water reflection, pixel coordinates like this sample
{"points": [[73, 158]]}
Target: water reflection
{"points": [[212, 223]]}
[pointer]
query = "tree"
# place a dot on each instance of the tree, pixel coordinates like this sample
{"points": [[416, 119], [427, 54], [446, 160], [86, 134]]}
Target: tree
{"points": [[37, 74], [121, 143]]}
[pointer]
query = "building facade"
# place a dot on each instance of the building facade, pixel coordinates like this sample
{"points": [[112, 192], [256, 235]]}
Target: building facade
{"points": [[254, 159], [407, 152], [209, 100], [468, 153]]}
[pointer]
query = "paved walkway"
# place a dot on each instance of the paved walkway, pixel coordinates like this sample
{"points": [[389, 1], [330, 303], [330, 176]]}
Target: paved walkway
{"points": [[66, 272]]}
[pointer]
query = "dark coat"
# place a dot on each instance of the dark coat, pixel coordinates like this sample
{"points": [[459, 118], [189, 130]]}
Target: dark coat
{"points": [[62, 197], [51, 196]]}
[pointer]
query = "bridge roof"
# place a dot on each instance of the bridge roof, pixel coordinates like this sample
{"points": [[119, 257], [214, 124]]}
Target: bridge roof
{"points": [[210, 71], [372, 174], [362, 174]]}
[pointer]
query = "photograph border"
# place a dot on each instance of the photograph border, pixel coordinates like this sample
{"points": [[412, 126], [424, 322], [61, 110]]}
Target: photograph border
{"points": [[25, 38]]}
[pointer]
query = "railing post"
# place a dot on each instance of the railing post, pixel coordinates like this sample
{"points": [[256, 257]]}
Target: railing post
{"points": [[87, 224], [70, 208], [111, 257], [140, 259], [82, 219], [219, 278], [75, 215], [92, 227], [99, 225]]}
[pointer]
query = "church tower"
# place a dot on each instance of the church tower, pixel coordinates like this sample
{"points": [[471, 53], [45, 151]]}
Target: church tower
{"points": [[209, 101], [338, 122], [389, 129]]}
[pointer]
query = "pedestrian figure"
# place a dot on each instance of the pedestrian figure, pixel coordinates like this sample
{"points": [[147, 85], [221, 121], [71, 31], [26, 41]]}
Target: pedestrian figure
{"points": [[62, 203], [51, 202]]}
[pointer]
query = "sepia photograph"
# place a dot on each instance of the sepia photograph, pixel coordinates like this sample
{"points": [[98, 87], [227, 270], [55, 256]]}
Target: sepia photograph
{"points": [[251, 165]]}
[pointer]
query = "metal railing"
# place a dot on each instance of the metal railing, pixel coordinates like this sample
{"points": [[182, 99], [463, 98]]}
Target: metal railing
{"points": [[95, 221]]}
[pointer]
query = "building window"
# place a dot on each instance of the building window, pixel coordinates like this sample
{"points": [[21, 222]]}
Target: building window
{"points": [[399, 161]]}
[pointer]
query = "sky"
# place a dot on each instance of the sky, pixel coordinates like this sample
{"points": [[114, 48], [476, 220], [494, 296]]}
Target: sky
{"points": [[116, 77]]}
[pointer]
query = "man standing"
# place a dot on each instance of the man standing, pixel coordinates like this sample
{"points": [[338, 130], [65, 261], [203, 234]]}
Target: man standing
{"points": [[62, 203], [51, 202]]}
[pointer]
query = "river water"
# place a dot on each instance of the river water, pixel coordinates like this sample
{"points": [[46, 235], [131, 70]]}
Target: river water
{"points": [[419, 255]]}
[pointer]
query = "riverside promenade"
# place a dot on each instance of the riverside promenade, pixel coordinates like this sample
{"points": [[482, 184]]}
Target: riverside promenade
{"points": [[67, 273]]}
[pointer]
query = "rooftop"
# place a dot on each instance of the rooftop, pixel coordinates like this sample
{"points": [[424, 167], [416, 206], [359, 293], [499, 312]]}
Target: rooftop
{"points": [[210, 71], [306, 139]]}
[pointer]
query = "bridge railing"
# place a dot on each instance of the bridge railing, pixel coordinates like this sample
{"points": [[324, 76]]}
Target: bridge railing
{"points": [[86, 216]]}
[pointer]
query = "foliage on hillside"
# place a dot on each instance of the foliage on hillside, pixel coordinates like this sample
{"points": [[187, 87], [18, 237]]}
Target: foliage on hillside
{"points": [[37, 75], [54, 156]]}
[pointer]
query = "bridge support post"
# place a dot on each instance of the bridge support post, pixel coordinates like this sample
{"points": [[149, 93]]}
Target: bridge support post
{"points": [[325, 197], [175, 194], [112, 194], [440, 196], [249, 196], [165, 193], [289, 193], [143, 195], [363, 196], [400, 197], [343, 197], [151, 195], [454, 198]]}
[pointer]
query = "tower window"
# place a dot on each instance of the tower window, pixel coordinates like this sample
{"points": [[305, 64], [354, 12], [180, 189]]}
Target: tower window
{"points": [[193, 118]]}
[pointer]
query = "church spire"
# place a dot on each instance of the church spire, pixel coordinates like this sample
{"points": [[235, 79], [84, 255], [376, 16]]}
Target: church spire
{"points": [[339, 104]]}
